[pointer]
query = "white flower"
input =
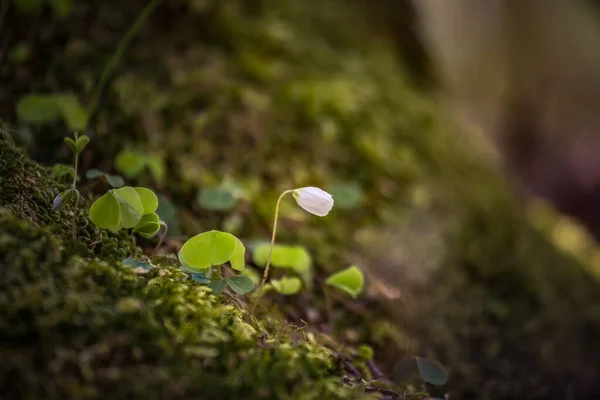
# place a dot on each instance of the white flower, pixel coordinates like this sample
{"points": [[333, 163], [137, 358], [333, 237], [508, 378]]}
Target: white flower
{"points": [[314, 200]]}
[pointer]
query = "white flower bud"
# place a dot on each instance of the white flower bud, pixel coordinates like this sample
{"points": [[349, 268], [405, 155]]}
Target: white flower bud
{"points": [[314, 200]]}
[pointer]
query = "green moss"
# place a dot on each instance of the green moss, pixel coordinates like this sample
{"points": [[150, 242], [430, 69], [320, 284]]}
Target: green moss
{"points": [[73, 328], [28, 191]]}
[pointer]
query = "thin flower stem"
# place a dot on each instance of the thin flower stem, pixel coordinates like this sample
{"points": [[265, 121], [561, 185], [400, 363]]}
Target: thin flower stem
{"points": [[266, 273]]}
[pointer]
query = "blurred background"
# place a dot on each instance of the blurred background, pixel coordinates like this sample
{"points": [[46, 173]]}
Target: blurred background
{"points": [[458, 138]]}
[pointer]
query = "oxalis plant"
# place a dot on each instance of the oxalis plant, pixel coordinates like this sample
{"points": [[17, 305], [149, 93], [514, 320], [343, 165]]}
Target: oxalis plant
{"points": [[128, 208]]}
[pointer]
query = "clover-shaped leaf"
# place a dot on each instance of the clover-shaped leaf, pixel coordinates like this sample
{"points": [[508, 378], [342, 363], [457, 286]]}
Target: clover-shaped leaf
{"points": [[287, 285], [148, 199], [239, 284], [130, 163], [238, 260], [216, 199], [211, 248], [218, 286], [124, 208], [105, 213], [38, 109], [114, 181], [202, 277], [296, 258], [350, 281], [148, 225], [130, 206]]}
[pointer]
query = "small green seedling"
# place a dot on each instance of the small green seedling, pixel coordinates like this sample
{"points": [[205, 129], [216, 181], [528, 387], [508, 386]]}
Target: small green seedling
{"points": [[77, 144], [349, 281], [211, 249], [115, 181], [217, 198], [430, 371], [129, 208]]}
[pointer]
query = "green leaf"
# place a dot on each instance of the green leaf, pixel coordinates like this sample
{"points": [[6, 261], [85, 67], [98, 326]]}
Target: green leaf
{"points": [[105, 212], [347, 195], [130, 163], [71, 143], [216, 199], [287, 285], [432, 371], [94, 173], [114, 181], [73, 112], [156, 165], [149, 230], [147, 218], [81, 142], [207, 249], [148, 226], [202, 277], [218, 286], [349, 280], [238, 259], [295, 257], [240, 284], [148, 199], [60, 170], [38, 109], [130, 206], [254, 276]]}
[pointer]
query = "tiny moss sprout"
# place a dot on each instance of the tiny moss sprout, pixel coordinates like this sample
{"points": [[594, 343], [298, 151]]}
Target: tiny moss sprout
{"points": [[77, 144]]}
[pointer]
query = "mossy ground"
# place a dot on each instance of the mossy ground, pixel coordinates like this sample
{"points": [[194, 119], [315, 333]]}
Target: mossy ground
{"points": [[276, 94]]}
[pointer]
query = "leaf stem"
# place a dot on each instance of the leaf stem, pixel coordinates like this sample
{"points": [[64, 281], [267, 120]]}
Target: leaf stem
{"points": [[162, 237], [75, 172], [266, 272], [74, 222]]}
